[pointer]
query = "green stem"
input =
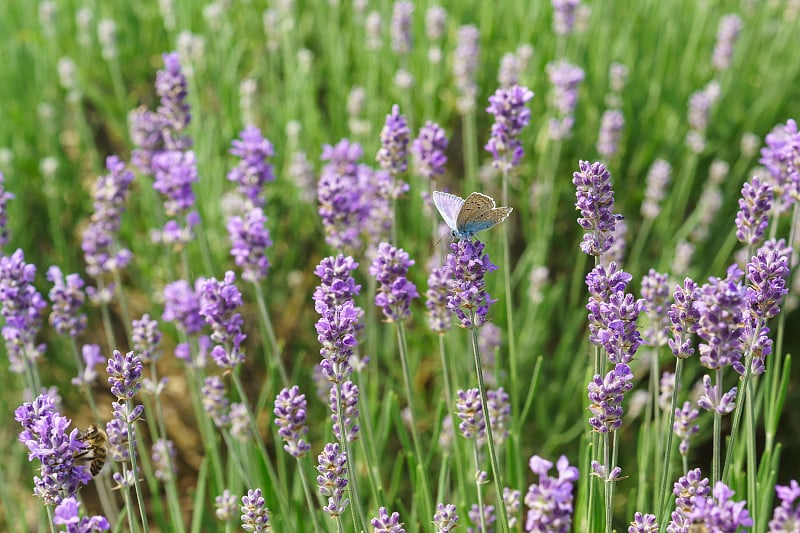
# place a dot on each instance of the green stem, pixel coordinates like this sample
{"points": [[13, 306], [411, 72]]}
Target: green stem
{"points": [[476, 459], [717, 449], [132, 433], [276, 361], [307, 490], [661, 509], [449, 397], [359, 522]]}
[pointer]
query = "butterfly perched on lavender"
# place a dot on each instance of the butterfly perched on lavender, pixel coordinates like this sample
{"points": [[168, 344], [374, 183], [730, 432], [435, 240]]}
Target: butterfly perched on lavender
{"points": [[468, 217]]}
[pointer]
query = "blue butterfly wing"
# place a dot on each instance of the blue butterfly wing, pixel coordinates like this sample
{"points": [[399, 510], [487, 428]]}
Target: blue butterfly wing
{"points": [[486, 220], [449, 206]]}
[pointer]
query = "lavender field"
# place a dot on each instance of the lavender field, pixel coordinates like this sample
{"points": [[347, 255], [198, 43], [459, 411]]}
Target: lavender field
{"points": [[368, 266]]}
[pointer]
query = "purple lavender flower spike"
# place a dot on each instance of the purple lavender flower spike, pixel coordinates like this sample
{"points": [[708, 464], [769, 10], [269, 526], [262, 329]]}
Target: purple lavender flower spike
{"points": [[336, 331], [497, 400], [565, 79], [564, 15], [754, 208], [436, 297], [174, 109], [67, 514], [658, 177], [643, 523], [400, 28], [124, 374], [255, 515], [249, 241], [395, 136], [549, 502], [182, 306], [700, 104], [253, 170], [767, 272], [219, 302], [290, 417], [786, 516], [489, 518], [595, 201], [429, 151], [348, 396], [336, 283], [339, 192], [469, 299], [513, 501], [721, 305], [146, 337], [386, 523], [175, 172], [225, 506], [146, 129], [469, 410], [606, 396], [684, 317], [727, 35], [511, 115], [163, 457], [21, 305], [611, 124], [685, 427], [465, 66], [91, 357], [689, 487], [5, 196], [719, 513], [45, 435], [67, 297], [655, 293], [395, 291], [714, 401], [445, 519], [781, 156], [215, 403], [332, 481]]}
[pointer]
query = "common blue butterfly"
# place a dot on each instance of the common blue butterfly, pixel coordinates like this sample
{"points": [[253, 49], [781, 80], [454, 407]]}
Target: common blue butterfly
{"points": [[468, 217]]}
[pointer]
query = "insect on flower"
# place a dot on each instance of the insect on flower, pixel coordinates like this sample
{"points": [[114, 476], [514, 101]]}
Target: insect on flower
{"points": [[468, 217], [94, 454]]}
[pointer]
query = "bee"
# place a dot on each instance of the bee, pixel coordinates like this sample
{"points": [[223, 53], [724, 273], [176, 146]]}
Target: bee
{"points": [[94, 454]]}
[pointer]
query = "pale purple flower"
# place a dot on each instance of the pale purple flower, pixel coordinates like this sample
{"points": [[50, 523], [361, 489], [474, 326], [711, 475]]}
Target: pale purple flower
{"points": [[67, 298], [754, 208], [718, 512], [332, 479], [215, 403], [468, 298], [436, 297], [253, 169], [429, 151], [511, 115], [489, 518], [145, 338], [301, 173], [465, 66], [239, 420], [727, 35], [219, 304], [336, 281], [684, 317], [643, 523], [182, 306], [45, 434], [400, 28], [767, 272], [786, 517], [611, 124], [171, 86], [564, 15], [712, 398], [666, 388], [395, 136], [550, 501], [175, 172], [499, 407], [685, 426], [372, 29], [163, 457], [67, 514], [655, 293], [469, 410], [605, 396], [395, 291], [225, 506], [91, 357], [781, 156], [435, 22], [124, 374], [513, 502], [336, 332], [249, 242], [290, 417], [700, 104], [565, 79], [5, 196], [386, 523], [255, 515], [146, 130], [348, 398], [445, 519], [340, 195], [721, 304], [595, 201], [658, 177]]}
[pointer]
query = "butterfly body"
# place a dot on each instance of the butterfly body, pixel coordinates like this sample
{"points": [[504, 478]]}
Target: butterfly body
{"points": [[467, 217]]}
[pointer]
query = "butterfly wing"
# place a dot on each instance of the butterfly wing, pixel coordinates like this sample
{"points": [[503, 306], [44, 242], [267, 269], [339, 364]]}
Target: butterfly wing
{"points": [[475, 204], [449, 206], [486, 220]]}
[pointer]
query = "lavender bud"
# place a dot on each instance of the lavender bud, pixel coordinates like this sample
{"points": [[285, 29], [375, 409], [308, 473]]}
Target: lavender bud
{"points": [[255, 515], [468, 409], [595, 200], [400, 28], [290, 417], [332, 481], [446, 519]]}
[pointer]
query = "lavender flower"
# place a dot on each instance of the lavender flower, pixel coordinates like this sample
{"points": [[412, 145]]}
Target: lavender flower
{"points": [[658, 177], [727, 35], [468, 409], [45, 435], [67, 514], [395, 136], [786, 516], [718, 512], [686, 489], [91, 357], [499, 408], [655, 293], [101, 251], [336, 331], [336, 283], [754, 207], [400, 28], [67, 298], [720, 304], [611, 124], [605, 395], [339, 192], [301, 173], [766, 277], [347, 395], [565, 79], [685, 427], [219, 301], [395, 291], [175, 172], [684, 316], [290, 417], [372, 29], [255, 515], [781, 156], [713, 400], [550, 501], [510, 117], [385, 523], [5, 196], [465, 66], [445, 519], [253, 170], [225, 506], [666, 388], [215, 403], [174, 109], [249, 241], [163, 457], [435, 22], [643, 523], [468, 298], [182, 306], [489, 518], [595, 201], [240, 422], [436, 297], [513, 503], [564, 15], [332, 481], [429, 151], [146, 129], [124, 374], [146, 337], [699, 109]]}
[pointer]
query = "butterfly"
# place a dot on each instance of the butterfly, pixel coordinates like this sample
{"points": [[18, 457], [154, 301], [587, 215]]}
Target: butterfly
{"points": [[468, 217]]}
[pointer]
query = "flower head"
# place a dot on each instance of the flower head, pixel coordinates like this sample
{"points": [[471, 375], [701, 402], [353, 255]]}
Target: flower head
{"points": [[727, 35], [5, 196], [436, 297], [781, 156], [332, 479], [721, 304], [67, 514], [219, 304], [595, 201], [754, 207], [249, 242], [446, 519], [550, 500], [786, 517], [468, 297], [564, 15], [336, 332], [643, 523], [225, 506], [658, 177], [67, 297], [605, 395], [565, 79], [124, 374], [386, 523], [395, 291], [345, 394], [465, 66], [182, 306], [429, 150], [611, 124], [290, 417], [255, 515], [469, 410], [146, 337], [401, 27], [253, 170], [511, 115]]}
